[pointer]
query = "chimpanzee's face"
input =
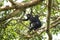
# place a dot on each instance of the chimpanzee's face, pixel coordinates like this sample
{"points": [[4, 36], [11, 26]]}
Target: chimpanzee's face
{"points": [[28, 15]]}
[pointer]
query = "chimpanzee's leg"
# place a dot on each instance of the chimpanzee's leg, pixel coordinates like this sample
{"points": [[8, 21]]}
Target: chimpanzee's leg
{"points": [[37, 25], [31, 27], [34, 26]]}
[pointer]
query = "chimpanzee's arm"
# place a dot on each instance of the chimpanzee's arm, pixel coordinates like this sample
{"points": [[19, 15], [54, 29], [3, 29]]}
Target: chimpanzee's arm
{"points": [[24, 19]]}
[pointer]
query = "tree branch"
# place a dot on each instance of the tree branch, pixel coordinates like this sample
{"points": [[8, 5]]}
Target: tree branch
{"points": [[22, 5], [9, 16], [58, 19], [12, 2], [48, 20], [6, 8]]}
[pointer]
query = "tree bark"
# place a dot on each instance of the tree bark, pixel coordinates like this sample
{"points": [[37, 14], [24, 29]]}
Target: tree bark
{"points": [[48, 20]]}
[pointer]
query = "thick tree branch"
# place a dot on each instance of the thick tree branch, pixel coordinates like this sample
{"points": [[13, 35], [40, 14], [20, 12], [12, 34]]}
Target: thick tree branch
{"points": [[12, 2], [6, 8], [9, 16], [22, 5], [48, 20]]}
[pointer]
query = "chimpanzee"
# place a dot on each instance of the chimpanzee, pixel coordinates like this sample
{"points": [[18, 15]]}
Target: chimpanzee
{"points": [[35, 23]]}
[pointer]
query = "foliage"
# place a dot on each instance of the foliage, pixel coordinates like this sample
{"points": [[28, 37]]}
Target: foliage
{"points": [[15, 28]]}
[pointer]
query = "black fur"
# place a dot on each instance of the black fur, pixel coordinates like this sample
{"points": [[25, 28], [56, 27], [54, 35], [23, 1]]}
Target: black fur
{"points": [[35, 23]]}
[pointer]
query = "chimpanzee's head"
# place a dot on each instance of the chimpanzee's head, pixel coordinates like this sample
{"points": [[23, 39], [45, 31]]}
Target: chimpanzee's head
{"points": [[28, 15]]}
